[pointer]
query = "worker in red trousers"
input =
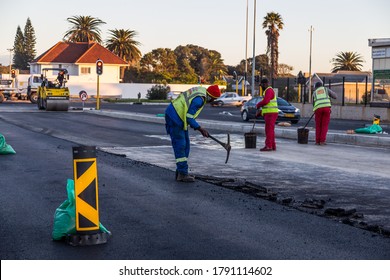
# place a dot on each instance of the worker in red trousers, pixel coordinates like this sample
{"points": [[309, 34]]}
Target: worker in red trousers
{"points": [[269, 111], [322, 109]]}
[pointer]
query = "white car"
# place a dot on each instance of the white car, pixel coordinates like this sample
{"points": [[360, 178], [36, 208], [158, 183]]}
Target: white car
{"points": [[230, 99]]}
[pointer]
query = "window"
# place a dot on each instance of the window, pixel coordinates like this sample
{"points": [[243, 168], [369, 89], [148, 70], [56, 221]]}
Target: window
{"points": [[85, 70], [37, 79], [382, 63]]}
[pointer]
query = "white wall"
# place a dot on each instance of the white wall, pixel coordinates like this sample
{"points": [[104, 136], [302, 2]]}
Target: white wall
{"points": [[123, 90], [106, 89]]}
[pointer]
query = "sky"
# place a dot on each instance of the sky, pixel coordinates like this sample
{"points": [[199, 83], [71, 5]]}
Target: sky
{"points": [[338, 26]]}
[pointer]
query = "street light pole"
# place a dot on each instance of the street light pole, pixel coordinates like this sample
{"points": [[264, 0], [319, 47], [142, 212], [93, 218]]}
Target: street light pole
{"points": [[311, 31], [236, 77], [246, 49], [10, 61], [254, 44]]}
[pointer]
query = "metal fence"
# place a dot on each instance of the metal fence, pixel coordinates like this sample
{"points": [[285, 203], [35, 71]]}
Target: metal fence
{"points": [[349, 90]]}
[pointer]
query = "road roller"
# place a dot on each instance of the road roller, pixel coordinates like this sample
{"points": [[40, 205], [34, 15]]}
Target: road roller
{"points": [[53, 94]]}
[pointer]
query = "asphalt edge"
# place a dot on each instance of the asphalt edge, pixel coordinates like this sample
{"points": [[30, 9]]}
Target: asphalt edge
{"points": [[280, 132]]}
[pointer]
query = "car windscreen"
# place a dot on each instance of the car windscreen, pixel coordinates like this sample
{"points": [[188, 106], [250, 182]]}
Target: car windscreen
{"points": [[254, 101], [37, 79], [282, 102]]}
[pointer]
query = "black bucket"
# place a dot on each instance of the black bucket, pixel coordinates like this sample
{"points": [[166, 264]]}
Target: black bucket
{"points": [[250, 140], [303, 135]]}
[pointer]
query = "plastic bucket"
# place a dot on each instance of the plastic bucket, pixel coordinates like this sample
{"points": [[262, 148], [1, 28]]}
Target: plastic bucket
{"points": [[303, 135], [250, 140]]}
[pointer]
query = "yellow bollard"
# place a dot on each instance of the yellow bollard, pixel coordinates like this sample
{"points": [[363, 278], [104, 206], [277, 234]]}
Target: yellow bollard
{"points": [[299, 93]]}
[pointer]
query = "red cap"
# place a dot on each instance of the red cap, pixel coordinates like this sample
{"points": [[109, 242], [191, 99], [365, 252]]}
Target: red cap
{"points": [[214, 91]]}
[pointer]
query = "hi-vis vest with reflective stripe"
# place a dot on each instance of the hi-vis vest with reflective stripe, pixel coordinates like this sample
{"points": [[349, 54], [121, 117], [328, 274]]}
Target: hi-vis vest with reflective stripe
{"points": [[183, 102], [321, 98], [272, 106]]}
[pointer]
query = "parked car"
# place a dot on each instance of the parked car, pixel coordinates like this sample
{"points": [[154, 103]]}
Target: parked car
{"points": [[286, 112], [230, 99]]}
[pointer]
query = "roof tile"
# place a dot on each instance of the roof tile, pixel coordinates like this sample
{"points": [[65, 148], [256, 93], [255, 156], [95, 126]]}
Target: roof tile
{"points": [[80, 52]]}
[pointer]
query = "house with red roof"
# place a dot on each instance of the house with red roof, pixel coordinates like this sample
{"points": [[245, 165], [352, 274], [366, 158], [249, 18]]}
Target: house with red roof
{"points": [[80, 60]]}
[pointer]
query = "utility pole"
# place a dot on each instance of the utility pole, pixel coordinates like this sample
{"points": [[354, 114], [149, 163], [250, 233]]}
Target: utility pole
{"points": [[311, 32], [10, 61], [10, 65], [254, 44], [246, 49]]}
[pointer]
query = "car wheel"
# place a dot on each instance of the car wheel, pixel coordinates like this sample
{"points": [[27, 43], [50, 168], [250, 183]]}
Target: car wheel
{"points": [[219, 103], [34, 98], [245, 116]]}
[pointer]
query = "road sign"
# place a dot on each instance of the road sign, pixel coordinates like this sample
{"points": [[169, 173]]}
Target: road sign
{"points": [[83, 95]]}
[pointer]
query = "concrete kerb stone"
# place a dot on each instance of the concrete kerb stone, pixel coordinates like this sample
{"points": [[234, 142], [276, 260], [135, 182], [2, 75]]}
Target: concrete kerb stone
{"points": [[232, 127]]}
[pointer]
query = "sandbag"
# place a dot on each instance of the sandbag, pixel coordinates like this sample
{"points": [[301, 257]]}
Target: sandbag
{"points": [[373, 129], [65, 216], [5, 149]]}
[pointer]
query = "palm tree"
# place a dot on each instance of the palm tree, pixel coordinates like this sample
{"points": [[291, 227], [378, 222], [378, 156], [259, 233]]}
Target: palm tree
{"points": [[217, 68], [273, 22], [122, 44], [84, 29], [350, 61]]}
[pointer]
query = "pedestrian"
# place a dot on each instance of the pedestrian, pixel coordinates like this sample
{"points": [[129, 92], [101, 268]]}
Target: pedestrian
{"points": [[269, 111], [181, 113], [322, 110]]}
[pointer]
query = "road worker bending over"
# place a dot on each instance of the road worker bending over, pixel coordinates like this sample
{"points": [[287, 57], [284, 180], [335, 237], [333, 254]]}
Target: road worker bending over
{"points": [[182, 113]]}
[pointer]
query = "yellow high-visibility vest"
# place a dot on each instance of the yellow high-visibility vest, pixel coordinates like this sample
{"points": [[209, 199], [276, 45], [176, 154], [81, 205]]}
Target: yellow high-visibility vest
{"points": [[183, 102], [272, 106], [321, 98]]}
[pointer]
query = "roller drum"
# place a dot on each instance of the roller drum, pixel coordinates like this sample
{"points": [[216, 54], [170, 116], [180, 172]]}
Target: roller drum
{"points": [[57, 104]]}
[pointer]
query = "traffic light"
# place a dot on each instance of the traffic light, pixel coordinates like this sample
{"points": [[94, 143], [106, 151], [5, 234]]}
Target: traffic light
{"points": [[99, 67], [13, 73]]}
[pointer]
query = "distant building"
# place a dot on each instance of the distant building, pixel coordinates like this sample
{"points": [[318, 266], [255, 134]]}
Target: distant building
{"points": [[80, 61], [381, 71]]}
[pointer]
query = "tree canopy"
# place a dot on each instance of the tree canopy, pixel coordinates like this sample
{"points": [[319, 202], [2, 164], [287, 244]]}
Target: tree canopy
{"points": [[122, 43], [273, 22], [350, 61], [84, 29], [24, 46], [184, 64]]}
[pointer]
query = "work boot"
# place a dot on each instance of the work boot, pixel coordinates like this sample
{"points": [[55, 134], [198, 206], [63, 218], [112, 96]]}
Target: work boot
{"points": [[185, 178]]}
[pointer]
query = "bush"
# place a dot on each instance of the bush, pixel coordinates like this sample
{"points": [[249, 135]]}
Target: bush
{"points": [[157, 92]]}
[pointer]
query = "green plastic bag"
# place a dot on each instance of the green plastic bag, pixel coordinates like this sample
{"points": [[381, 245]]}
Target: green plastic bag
{"points": [[65, 216], [5, 149], [373, 129]]}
